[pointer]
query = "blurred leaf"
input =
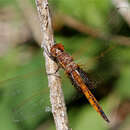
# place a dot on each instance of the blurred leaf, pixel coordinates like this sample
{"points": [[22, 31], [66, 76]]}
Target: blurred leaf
{"points": [[24, 93], [91, 12], [123, 84], [87, 118]]}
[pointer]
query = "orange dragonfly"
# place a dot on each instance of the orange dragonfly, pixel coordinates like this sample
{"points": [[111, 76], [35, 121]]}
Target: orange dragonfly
{"points": [[78, 77], [30, 90], [33, 90]]}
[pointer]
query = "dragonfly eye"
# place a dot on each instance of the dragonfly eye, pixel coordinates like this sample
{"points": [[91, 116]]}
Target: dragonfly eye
{"points": [[56, 48], [60, 46]]}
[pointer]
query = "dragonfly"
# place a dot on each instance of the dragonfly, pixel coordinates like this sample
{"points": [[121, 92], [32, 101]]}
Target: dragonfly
{"points": [[38, 97], [35, 98], [77, 76]]}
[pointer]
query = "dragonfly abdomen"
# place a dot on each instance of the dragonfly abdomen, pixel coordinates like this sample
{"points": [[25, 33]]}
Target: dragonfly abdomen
{"points": [[79, 81], [78, 77]]}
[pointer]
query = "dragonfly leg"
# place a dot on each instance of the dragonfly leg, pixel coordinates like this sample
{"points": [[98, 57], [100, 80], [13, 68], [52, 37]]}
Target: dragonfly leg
{"points": [[51, 57], [47, 52]]}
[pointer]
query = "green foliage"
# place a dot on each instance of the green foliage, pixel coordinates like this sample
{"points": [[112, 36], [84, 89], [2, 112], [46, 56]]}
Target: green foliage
{"points": [[24, 93], [6, 2], [123, 82], [86, 118]]}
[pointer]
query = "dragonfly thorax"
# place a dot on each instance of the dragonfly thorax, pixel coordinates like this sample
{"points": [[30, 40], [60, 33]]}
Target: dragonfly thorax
{"points": [[56, 50]]}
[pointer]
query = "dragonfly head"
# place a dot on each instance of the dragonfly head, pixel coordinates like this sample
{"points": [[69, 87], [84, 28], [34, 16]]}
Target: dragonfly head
{"points": [[56, 49]]}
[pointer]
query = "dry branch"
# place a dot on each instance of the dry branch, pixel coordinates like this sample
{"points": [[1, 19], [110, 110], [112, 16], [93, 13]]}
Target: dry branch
{"points": [[56, 94], [120, 114], [29, 26], [79, 26], [123, 7]]}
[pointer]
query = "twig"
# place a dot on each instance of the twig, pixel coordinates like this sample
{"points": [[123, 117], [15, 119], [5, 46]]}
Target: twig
{"points": [[56, 94], [79, 26], [123, 7], [120, 114]]}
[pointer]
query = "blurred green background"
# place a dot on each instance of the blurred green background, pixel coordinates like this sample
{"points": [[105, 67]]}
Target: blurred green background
{"points": [[94, 33]]}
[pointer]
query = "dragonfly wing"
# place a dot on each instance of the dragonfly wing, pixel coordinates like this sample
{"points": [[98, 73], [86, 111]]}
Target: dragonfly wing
{"points": [[89, 95], [85, 78], [70, 76]]}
